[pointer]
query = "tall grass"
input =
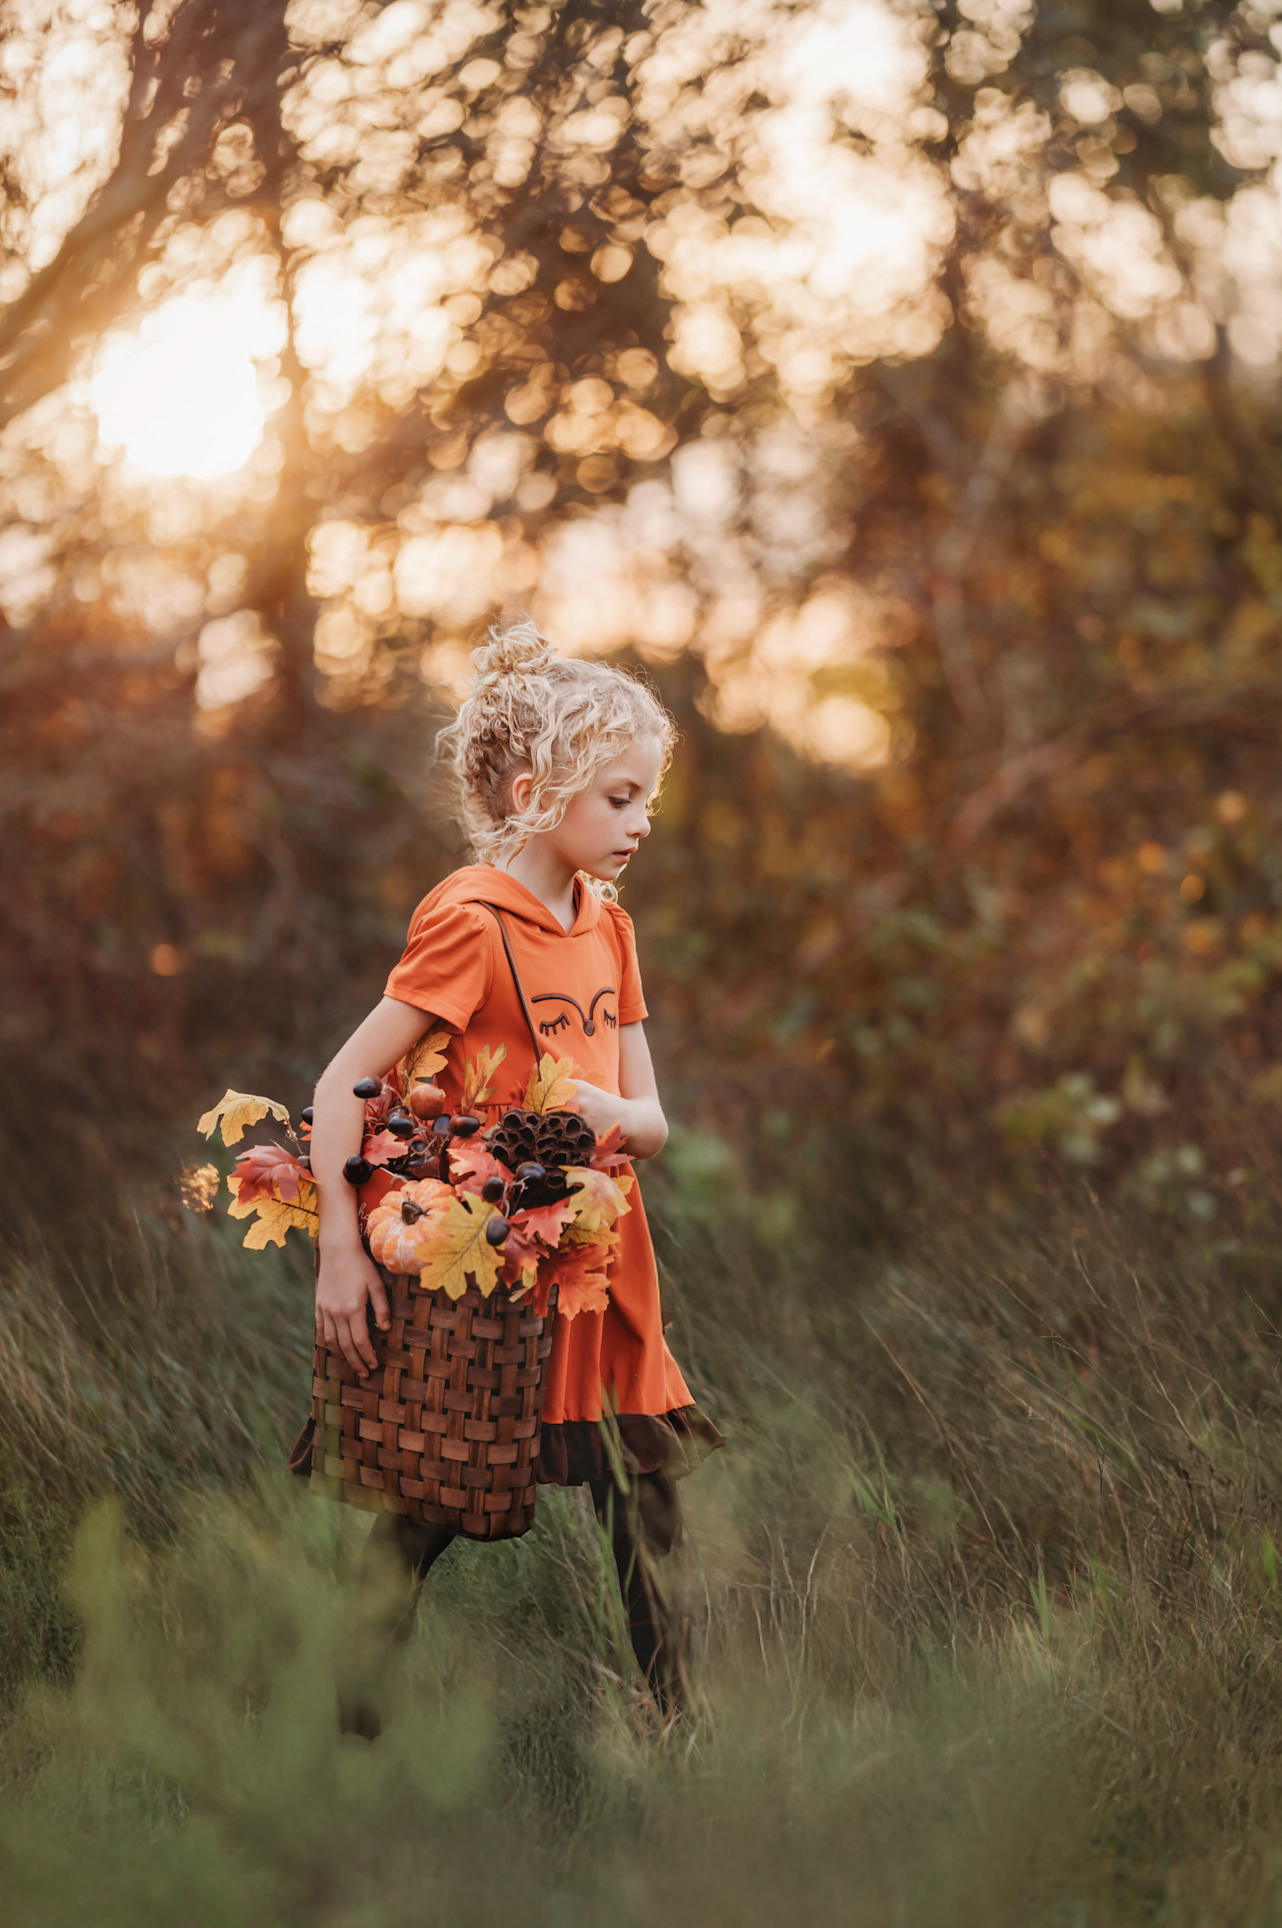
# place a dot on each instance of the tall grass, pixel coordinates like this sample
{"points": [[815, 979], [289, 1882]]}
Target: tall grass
{"points": [[985, 1601]]}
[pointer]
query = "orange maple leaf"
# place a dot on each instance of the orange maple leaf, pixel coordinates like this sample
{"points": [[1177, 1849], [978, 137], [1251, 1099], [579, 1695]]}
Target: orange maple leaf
{"points": [[380, 1146], [455, 1250], [551, 1086], [471, 1164], [581, 1282], [533, 1234], [609, 1154]]}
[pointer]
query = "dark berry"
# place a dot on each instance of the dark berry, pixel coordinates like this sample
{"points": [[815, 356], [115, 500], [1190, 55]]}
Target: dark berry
{"points": [[306, 1163], [308, 1115], [530, 1173], [496, 1230], [465, 1125], [400, 1124], [367, 1088], [492, 1190], [357, 1170], [441, 1126]]}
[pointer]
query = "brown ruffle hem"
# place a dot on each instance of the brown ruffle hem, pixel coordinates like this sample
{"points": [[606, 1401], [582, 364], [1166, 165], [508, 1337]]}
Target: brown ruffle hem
{"points": [[579, 1450]]}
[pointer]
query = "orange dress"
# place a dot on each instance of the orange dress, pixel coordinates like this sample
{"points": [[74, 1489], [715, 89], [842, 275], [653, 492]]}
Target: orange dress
{"points": [[581, 985]]}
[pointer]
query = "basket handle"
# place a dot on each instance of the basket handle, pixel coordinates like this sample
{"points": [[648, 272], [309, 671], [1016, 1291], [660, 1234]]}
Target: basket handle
{"points": [[501, 921]]}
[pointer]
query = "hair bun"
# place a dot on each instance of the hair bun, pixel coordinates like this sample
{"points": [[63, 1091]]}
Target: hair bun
{"points": [[514, 648]]}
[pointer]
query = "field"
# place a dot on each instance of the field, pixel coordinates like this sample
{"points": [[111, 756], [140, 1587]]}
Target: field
{"points": [[985, 1599]]}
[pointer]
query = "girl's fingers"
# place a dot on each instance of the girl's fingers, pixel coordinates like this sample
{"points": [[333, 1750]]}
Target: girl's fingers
{"points": [[350, 1337], [378, 1300], [366, 1354]]}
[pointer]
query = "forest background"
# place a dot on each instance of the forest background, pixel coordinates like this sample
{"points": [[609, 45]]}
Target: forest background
{"points": [[897, 385]]}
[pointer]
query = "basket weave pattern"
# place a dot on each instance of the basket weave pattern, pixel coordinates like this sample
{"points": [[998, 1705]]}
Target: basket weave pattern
{"points": [[445, 1429]]}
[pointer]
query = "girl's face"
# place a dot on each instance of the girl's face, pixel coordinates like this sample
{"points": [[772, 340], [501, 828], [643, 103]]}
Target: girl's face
{"points": [[604, 824]]}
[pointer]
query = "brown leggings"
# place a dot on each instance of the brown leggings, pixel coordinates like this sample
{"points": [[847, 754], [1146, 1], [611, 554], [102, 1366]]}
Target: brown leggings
{"points": [[643, 1523]]}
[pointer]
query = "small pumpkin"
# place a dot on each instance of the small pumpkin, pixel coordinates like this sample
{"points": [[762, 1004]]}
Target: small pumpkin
{"points": [[395, 1224]]}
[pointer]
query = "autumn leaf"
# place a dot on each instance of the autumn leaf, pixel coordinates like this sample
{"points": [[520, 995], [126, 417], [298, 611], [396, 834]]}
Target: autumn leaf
{"points": [[599, 1199], [609, 1154], [471, 1164], [426, 1058], [380, 1146], [541, 1226], [582, 1285], [455, 1249], [272, 1216], [477, 1072], [269, 1171], [519, 1278], [551, 1086], [235, 1110]]}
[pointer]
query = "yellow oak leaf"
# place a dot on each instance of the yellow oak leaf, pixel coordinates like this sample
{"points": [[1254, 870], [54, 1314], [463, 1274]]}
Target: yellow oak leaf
{"points": [[455, 1250], [235, 1110], [272, 1216], [426, 1058], [599, 1199], [551, 1087], [477, 1073]]}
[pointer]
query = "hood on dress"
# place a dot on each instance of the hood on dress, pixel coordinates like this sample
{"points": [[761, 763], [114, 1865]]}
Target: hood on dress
{"points": [[483, 884]]}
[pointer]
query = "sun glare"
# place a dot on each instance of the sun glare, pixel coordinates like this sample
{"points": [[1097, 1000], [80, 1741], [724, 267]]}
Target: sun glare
{"points": [[181, 396]]}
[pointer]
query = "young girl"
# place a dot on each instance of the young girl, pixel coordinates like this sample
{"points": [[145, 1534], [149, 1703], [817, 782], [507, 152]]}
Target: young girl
{"points": [[557, 763]]}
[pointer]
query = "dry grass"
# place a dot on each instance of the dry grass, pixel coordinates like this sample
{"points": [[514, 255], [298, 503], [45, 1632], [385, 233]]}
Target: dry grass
{"points": [[986, 1603]]}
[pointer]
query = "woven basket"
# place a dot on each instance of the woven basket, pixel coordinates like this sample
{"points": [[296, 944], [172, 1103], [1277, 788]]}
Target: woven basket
{"points": [[446, 1427]]}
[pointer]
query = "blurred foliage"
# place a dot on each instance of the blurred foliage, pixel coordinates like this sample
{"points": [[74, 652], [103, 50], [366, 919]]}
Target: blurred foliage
{"points": [[897, 383]]}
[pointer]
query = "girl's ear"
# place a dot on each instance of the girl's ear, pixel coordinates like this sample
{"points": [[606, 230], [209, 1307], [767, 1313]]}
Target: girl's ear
{"points": [[519, 793]]}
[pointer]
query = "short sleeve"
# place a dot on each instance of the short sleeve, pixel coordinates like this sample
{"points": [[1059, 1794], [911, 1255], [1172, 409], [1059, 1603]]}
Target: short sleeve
{"points": [[447, 966], [631, 997]]}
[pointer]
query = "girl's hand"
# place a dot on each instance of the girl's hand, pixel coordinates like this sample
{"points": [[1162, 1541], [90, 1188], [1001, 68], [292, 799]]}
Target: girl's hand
{"points": [[348, 1282], [603, 1110], [644, 1127]]}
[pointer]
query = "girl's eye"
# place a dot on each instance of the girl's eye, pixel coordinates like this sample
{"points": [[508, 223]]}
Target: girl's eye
{"points": [[620, 803]]}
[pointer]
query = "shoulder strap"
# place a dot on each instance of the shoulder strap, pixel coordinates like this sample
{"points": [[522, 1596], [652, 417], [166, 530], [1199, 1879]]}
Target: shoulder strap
{"points": [[501, 921]]}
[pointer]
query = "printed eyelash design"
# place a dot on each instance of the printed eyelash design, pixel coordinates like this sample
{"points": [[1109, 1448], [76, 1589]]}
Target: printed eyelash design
{"points": [[588, 1017], [559, 1023]]}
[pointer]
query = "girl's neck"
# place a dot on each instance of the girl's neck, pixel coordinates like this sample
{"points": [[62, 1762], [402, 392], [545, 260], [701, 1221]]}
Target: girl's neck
{"points": [[546, 877]]}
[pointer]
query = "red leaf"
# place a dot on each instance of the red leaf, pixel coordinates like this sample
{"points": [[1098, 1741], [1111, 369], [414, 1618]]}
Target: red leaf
{"points": [[609, 1156], [582, 1285], [533, 1234], [382, 1146], [269, 1171], [471, 1164]]}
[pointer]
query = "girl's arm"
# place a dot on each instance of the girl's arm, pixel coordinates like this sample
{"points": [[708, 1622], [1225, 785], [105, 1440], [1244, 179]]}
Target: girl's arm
{"points": [[637, 1109], [348, 1278]]}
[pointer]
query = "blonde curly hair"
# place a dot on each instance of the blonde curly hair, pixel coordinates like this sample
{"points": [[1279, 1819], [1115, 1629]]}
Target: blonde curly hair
{"points": [[559, 718]]}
